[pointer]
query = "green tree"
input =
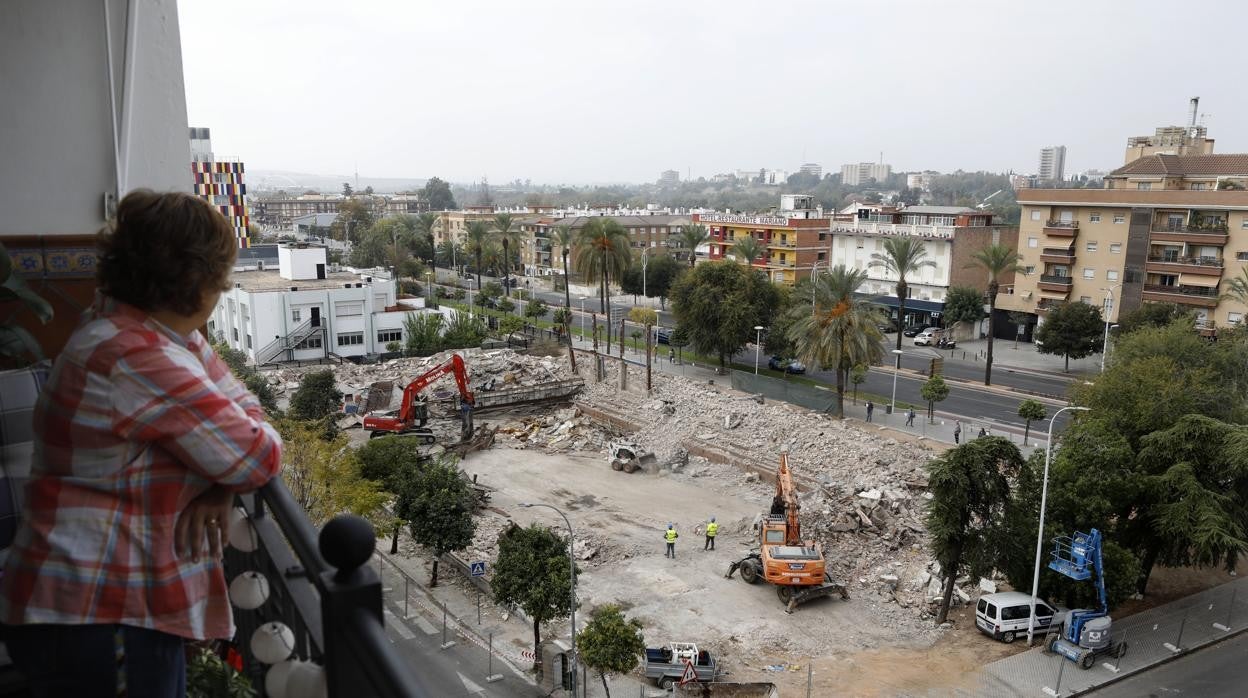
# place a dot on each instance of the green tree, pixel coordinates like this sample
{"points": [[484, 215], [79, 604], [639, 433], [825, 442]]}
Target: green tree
{"points": [[678, 340], [255, 381], [423, 225], [509, 325], [354, 218], [464, 331], [1154, 315], [436, 502], [963, 304], [533, 572], [601, 254], [316, 398], [438, 194], [934, 390], [450, 254], [536, 308], [505, 232], [423, 332], [857, 376], [610, 643], [323, 476], [693, 236], [970, 487], [840, 329], [718, 304], [1030, 410], [995, 260], [1072, 330], [478, 239], [902, 256], [643, 316], [661, 274], [384, 461], [563, 320], [1237, 288], [748, 249], [564, 238]]}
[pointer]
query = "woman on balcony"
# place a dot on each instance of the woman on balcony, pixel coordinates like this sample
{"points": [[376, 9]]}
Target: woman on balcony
{"points": [[142, 438]]}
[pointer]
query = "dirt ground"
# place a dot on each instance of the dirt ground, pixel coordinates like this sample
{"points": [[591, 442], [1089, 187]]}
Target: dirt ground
{"points": [[686, 599]]}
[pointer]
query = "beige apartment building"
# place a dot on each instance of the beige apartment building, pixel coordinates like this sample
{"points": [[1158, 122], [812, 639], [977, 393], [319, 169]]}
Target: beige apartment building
{"points": [[1166, 229]]}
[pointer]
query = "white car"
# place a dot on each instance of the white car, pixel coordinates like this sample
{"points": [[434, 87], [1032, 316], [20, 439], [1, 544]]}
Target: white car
{"points": [[928, 337], [1004, 615]]}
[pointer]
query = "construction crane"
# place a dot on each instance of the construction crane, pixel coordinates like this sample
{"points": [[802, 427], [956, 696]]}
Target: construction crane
{"points": [[1086, 633], [984, 204], [410, 418], [795, 566]]}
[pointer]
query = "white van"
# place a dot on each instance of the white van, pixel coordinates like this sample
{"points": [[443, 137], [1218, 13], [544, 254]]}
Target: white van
{"points": [[1004, 615], [929, 337]]}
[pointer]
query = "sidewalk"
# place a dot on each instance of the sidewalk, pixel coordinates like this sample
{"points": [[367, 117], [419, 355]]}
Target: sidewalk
{"points": [[1153, 637], [1008, 354]]}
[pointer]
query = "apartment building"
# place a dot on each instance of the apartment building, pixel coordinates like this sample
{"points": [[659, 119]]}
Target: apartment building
{"points": [[794, 239], [1167, 228], [855, 174], [282, 211], [306, 310], [541, 256], [219, 181], [950, 235], [1052, 166]]}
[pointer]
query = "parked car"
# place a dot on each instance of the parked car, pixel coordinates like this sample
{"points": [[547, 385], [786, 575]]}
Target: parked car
{"points": [[929, 337], [888, 326], [914, 330], [794, 366], [663, 337], [1004, 616]]}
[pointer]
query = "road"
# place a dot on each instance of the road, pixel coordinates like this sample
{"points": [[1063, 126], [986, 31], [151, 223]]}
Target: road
{"points": [[1213, 672], [456, 671], [963, 400]]}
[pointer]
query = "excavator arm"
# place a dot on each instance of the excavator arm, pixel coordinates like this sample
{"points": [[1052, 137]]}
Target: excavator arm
{"points": [[412, 391], [786, 494]]}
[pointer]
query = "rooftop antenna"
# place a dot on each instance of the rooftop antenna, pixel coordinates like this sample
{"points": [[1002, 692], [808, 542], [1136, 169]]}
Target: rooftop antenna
{"points": [[1191, 121]]}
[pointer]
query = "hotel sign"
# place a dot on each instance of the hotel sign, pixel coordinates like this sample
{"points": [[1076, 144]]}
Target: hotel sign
{"points": [[931, 232], [743, 220]]}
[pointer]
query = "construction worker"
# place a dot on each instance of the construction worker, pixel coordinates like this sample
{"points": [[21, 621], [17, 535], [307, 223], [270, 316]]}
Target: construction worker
{"points": [[670, 536], [712, 528]]}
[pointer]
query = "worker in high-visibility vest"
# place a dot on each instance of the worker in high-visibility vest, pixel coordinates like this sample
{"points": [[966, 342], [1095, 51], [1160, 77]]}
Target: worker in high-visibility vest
{"points": [[670, 535], [712, 529]]}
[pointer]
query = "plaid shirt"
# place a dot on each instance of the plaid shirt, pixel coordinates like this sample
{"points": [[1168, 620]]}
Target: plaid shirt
{"points": [[134, 423]]}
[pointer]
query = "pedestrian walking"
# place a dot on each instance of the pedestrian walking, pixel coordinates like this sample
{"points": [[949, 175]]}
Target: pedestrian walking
{"points": [[982, 432], [712, 529], [910, 417], [670, 536], [957, 433], [870, 409], [671, 356]]}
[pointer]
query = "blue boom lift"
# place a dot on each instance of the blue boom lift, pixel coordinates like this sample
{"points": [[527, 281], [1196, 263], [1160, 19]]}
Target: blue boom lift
{"points": [[1086, 633]]}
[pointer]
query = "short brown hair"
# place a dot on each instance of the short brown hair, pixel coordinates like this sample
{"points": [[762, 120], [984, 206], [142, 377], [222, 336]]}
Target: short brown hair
{"points": [[164, 251]]}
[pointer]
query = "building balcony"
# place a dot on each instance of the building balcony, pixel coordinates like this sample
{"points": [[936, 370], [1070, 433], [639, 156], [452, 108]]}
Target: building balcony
{"points": [[1202, 235], [321, 598], [1047, 304], [1054, 283], [1185, 295], [788, 244], [1058, 255], [1200, 266], [782, 265], [1061, 229]]}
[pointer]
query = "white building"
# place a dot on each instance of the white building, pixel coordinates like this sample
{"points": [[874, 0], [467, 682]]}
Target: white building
{"points": [[1052, 163], [855, 174], [306, 310]]}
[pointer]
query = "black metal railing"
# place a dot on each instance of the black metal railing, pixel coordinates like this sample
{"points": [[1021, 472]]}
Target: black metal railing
{"points": [[1182, 290], [273, 349], [1061, 224], [1196, 261], [320, 587], [1058, 251], [1055, 279]]}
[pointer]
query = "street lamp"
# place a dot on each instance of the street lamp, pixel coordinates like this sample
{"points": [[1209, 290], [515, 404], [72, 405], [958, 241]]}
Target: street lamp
{"points": [[892, 404], [1109, 299], [572, 572], [645, 256], [814, 274], [1044, 495], [470, 283], [758, 339], [582, 313]]}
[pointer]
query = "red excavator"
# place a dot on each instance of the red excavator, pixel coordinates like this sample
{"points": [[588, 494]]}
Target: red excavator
{"points": [[409, 420]]}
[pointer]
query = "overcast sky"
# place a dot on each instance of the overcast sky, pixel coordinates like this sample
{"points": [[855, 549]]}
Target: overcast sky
{"points": [[618, 90]]}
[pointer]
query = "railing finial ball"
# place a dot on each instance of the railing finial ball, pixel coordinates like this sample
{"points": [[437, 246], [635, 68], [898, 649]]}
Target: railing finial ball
{"points": [[347, 542]]}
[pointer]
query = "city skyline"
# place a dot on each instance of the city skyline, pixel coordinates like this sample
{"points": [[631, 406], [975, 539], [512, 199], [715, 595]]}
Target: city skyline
{"points": [[540, 95]]}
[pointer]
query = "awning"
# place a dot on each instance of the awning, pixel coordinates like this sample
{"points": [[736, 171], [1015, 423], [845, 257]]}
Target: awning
{"points": [[1198, 280], [1054, 296]]}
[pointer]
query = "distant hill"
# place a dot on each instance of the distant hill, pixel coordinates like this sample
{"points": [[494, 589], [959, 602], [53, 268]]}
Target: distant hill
{"points": [[298, 182]]}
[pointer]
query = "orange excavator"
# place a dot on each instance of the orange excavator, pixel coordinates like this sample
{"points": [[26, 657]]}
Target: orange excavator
{"points": [[410, 418], [795, 566]]}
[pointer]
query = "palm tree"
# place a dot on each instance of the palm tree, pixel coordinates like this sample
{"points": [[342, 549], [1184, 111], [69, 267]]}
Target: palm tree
{"points": [[1237, 288], [748, 249], [839, 330], [996, 260], [478, 238], [564, 238], [602, 252], [504, 233], [902, 256], [424, 225], [691, 236]]}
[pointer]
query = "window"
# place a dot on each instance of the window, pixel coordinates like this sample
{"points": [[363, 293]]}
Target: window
{"points": [[1115, 248], [1035, 214], [1143, 186], [1243, 223], [1120, 218], [1029, 269], [212, 327], [1094, 217], [1242, 255], [1111, 274], [313, 342], [296, 315], [859, 241], [1091, 247], [234, 333], [1089, 273], [379, 300], [389, 336], [1234, 318], [348, 339], [823, 256], [1085, 299], [248, 341], [346, 309], [243, 309], [1199, 186], [1033, 242]]}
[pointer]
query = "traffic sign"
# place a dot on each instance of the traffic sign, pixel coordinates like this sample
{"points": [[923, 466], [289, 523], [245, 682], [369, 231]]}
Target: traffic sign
{"points": [[477, 569], [690, 673]]}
